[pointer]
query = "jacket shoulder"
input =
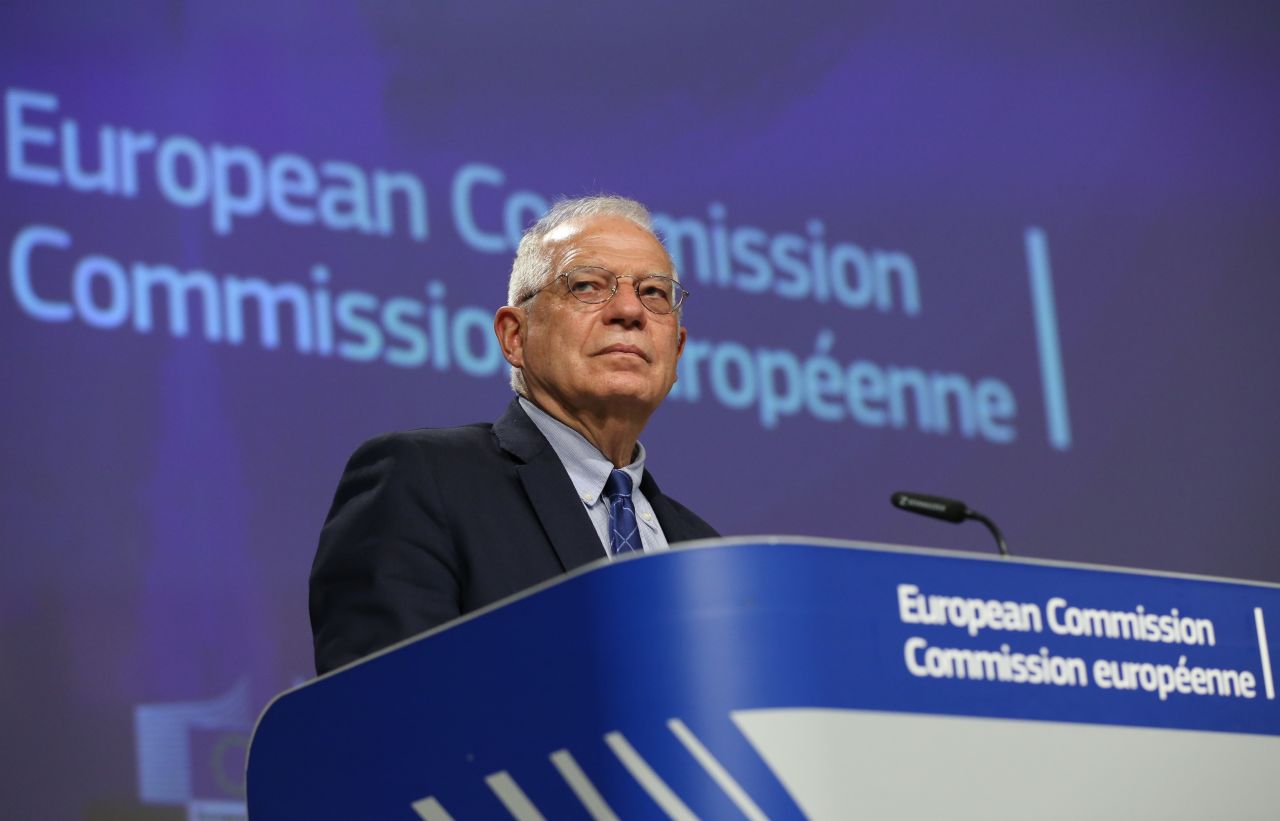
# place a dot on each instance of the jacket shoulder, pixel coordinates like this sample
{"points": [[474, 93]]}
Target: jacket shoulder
{"points": [[428, 441]]}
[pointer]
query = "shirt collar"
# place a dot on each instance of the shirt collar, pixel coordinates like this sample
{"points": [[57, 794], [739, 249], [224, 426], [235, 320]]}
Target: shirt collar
{"points": [[586, 465]]}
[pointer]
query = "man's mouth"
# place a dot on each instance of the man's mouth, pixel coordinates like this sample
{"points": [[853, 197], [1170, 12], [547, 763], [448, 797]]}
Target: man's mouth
{"points": [[631, 350]]}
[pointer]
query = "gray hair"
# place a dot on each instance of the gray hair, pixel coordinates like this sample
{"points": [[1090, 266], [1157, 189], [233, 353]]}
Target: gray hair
{"points": [[531, 269]]}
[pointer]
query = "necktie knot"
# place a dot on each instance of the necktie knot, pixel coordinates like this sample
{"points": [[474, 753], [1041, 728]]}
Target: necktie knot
{"points": [[618, 484]]}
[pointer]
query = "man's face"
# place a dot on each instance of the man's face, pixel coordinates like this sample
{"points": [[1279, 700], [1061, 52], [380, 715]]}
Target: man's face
{"points": [[618, 358]]}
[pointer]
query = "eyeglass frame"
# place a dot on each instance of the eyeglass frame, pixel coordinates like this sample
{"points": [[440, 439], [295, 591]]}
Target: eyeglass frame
{"points": [[635, 280]]}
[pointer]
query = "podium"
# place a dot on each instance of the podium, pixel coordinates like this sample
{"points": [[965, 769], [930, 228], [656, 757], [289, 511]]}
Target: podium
{"points": [[790, 677]]}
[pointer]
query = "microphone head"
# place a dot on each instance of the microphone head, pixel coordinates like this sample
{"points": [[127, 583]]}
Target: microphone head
{"points": [[937, 507]]}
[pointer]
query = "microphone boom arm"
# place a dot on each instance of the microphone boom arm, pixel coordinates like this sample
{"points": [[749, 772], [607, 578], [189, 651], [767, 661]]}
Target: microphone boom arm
{"points": [[948, 510], [970, 513]]}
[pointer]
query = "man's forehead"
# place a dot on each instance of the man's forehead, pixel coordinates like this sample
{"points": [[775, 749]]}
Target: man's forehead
{"points": [[562, 233], [607, 240]]}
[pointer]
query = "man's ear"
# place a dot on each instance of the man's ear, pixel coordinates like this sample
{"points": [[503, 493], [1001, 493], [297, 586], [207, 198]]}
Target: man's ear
{"points": [[682, 335], [508, 326]]}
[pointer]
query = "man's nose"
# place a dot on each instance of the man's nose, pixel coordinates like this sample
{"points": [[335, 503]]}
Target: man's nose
{"points": [[626, 306]]}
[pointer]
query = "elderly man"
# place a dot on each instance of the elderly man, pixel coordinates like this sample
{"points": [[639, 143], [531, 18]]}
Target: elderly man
{"points": [[430, 524]]}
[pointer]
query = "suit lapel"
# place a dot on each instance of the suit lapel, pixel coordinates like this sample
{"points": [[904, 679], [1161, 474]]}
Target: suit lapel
{"points": [[549, 489], [674, 526]]}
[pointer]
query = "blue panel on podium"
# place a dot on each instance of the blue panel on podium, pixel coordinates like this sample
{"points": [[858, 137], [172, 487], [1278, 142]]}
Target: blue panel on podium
{"points": [[780, 678]]}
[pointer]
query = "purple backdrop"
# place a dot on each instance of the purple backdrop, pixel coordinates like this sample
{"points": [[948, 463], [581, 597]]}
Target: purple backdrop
{"points": [[238, 242]]}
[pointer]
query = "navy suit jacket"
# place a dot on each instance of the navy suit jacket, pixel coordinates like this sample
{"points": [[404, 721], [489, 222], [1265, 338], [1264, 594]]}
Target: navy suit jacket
{"points": [[429, 524]]}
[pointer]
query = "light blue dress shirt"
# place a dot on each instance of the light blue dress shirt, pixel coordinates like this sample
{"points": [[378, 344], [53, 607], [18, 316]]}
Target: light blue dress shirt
{"points": [[588, 469]]}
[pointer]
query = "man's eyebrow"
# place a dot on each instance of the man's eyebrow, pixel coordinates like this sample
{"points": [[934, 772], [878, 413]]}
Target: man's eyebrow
{"points": [[660, 272]]}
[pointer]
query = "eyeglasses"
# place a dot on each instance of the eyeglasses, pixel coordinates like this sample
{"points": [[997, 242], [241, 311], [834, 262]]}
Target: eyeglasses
{"points": [[596, 286]]}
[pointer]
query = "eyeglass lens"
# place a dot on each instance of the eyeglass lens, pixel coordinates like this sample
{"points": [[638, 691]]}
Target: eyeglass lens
{"points": [[596, 285]]}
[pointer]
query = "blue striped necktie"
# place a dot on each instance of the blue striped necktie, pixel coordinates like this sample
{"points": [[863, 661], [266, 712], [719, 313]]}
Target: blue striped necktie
{"points": [[624, 537]]}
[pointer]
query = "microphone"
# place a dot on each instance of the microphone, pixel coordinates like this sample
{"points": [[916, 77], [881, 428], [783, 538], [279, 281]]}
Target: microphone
{"points": [[948, 510]]}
